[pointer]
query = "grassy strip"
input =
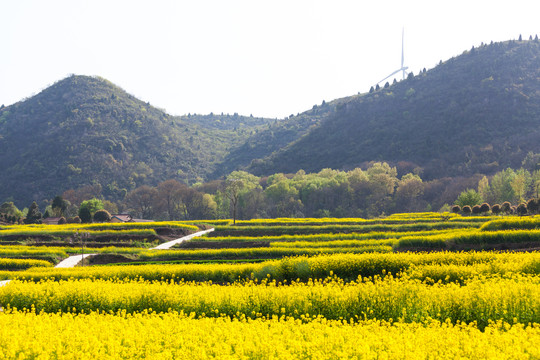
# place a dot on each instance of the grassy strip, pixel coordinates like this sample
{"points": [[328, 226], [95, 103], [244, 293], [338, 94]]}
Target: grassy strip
{"points": [[333, 244], [246, 253], [30, 232], [99, 227], [238, 231], [215, 222], [22, 264], [513, 223], [324, 236], [176, 262], [346, 266], [18, 250], [443, 241], [395, 219]]}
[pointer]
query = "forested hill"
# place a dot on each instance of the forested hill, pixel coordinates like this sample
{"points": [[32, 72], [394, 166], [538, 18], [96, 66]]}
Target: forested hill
{"points": [[475, 113], [85, 130]]}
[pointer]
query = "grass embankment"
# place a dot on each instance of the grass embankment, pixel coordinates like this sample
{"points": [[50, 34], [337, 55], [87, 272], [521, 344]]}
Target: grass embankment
{"points": [[436, 266], [94, 235]]}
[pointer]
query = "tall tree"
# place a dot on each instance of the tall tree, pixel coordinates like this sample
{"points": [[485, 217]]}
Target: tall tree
{"points": [[237, 183], [59, 206], [520, 184], [483, 189], [170, 198], [34, 215], [408, 191], [469, 197], [232, 189], [142, 201], [501, 187]]}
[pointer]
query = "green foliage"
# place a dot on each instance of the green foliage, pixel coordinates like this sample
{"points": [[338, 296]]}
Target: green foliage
{"points": [[85, 215], [59, 205], [439, 123], [448, 121], [102, 216], [92, 205], [34, 215], [99, 134], [469, 197], [9, 208]]}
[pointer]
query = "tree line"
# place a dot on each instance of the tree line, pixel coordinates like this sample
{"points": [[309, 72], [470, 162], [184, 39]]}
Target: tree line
{"points": [[372, 192]]}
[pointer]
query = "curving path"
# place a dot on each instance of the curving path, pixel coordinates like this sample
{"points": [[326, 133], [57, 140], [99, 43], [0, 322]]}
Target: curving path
{"points": [[171, 243], [72, 261]]}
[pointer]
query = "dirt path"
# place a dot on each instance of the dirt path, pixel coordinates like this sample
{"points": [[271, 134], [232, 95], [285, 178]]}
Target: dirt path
{"points": [[72, 261], [171, 243]]}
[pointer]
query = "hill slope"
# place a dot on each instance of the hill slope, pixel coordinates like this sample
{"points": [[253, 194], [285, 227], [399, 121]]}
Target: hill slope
{"points": [[85, 130], [478, 112]]}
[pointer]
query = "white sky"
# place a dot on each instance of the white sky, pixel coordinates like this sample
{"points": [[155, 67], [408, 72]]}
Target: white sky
{"points": [[266, 58]]}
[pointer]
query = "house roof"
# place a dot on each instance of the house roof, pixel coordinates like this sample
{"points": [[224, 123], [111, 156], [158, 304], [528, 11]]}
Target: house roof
{"points": [[122, 217], [128, 218], [50, 220]]}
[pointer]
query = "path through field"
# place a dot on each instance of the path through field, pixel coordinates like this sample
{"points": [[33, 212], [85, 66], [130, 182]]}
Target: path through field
{"points": [[171, 243], [72, 261]]}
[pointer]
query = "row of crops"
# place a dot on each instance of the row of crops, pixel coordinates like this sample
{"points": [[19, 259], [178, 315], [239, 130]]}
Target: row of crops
{"points": [[398, 287]]}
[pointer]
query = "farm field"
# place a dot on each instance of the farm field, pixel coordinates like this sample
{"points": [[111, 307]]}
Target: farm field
{"points": [[423, 285]]}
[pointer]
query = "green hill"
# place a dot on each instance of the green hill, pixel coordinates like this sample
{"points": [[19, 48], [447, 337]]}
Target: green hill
{"points": [[475, 113], [273, 137], [478, 112], [85, 130]]}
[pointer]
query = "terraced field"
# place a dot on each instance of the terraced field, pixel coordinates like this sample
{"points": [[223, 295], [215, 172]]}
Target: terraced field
{"points": [[424, 285]]}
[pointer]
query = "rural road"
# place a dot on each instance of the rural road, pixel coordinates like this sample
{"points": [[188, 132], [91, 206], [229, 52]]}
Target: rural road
{"points": [[66, 263], [72, 261], [171, 243]]}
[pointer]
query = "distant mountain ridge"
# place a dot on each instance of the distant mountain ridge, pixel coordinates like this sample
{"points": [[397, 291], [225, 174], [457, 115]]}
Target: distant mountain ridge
{"points": [[476, 113], [85, 130]]}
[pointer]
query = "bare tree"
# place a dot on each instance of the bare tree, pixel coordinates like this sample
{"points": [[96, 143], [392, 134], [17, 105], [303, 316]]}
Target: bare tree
{"points": [[232, 189]]}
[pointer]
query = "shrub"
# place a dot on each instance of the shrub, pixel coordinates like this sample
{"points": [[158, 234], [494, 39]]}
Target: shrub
{"points": [[485, 208], [102, 216], [521, 209], [34, 215], [532, 206], [506, 207], [466, 209], [62, 221], [496, 209], [85, 215], [476, 209], [456, 209], [74, 220]]}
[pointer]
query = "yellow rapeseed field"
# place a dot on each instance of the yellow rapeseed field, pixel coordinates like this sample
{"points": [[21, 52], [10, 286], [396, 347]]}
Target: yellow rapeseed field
{"points": [[177, 336], [347, 296], [512, 298]]}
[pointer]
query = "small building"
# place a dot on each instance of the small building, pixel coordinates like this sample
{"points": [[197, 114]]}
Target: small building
{"points": [[50, 221], [118, 218]]}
